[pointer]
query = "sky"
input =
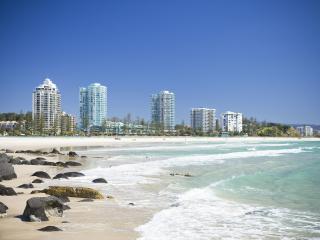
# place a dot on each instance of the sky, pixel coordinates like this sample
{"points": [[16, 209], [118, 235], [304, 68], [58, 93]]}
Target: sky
{"points": [[261, 58]]}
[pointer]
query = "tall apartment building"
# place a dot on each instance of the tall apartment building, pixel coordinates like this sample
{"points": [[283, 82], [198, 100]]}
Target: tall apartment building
{"points": [[163, 110], [68, 123], [305, 131], [93, 105], [231, 122], [203, 119], [46, 107]]}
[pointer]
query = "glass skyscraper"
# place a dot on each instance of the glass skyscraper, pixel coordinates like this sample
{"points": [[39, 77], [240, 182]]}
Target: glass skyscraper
{"points": [[93, 105], [163, 110]]}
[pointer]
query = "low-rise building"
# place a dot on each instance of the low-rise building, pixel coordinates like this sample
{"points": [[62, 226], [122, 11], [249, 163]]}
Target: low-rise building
{"points": [[305, 131]]}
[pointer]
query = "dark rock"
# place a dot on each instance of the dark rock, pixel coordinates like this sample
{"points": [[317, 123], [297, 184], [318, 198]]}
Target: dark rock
{"points": [[3, 209], [50, 229], [55, 151], [20, 158], [83, 156], [6, 169], [65, 222], [60, 175], [6, 191], [47, 163], [36, 162], [63, 199], [40, 158], [26, 185], [41, 174], [72, 154], [25, 162], [99, 180], [15, 161], [36, 191], [131, 204], [37, 181], [40, 208], [74, 174], [86, 200], [60, 164], [73, 164], [9, 151], [66, 207]]}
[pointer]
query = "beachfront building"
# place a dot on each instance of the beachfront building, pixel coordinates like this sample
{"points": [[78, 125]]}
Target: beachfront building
{"points": [[163, 110], [46, 108], [93, 106], [68, 123], [203, 119], [305, 131], [231, 122]]}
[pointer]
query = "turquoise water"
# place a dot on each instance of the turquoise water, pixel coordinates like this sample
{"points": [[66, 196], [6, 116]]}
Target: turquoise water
{"points": [[239, 190]]}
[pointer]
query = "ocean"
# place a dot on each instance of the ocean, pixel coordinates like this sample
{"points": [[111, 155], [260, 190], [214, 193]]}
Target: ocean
{"points": [[237, 189]]}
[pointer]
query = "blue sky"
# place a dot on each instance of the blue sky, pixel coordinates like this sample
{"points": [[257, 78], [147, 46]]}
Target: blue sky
{"points": [[261, 58]]}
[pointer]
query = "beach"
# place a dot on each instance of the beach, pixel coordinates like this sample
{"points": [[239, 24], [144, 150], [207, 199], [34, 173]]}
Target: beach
{"points": [[156, 183]]}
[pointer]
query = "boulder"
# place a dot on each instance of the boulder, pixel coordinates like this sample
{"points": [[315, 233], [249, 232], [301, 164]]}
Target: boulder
{"points": [[80, 192], [86, 200], [59, 176], [6, 191], [55, 151], [73, 164], [47, 163], [72, 154], [64, 199], [36, 162], [41, 174], [25, 162], [41, 158], [9, 151], [6, 169], [66, 207], [41, 208], [15, 161], [49, 229], [3, 209], [60, 164], [26, 185], [69, 174], [99, 180], [38, 180]]}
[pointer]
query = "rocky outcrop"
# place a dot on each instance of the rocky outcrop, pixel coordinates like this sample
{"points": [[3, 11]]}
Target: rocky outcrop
{"points": [[26, 185], [6, 169], [99, 180], [80, 192], [3, 209], [41, 208], [7, 191], [72, 164], [38, 180], [41, 174], [49, 229], [72, 154]]}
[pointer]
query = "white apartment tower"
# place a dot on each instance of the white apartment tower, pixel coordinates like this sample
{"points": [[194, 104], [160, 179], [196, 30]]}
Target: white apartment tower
{"points": [[46, 107], [231, 122], [203, 119], [163, 110]]}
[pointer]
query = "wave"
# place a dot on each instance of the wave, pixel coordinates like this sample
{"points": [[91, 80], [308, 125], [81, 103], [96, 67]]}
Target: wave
{"points": [[200, 214]]}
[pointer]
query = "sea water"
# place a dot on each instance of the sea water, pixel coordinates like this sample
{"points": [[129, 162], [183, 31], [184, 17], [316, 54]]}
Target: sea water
{"points": [[237, 190]]}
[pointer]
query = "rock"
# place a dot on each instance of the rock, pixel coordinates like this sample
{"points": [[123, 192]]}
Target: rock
{"points": [[41, 174], [60, 175], [80, 192], [7, 191], [41, 158], [109, 197], [55, 151], [60, 164], [64, 199], [73, 174], [6, 169], [99, 180], [25, 162], [72, 163], [49, 229], [47, 163], [65, 222], [83, 156], [36, 162], [26, 185], [86, 200], [72, 154], [9, 151], [40, 208], [131, 204], [3, 209], [36, 191], [15, 161], [37, 181], [66, 207]]}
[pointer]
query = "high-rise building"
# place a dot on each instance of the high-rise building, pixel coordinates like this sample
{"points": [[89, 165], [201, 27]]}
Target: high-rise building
{"points": [[46, 108], [68, 123], [231, 122], [305, 131], [163, 110], [203, 119], [93, 106]]}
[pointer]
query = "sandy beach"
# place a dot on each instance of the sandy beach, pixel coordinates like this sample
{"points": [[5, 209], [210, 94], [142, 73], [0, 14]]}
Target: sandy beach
{"points": [[100, 219]]}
